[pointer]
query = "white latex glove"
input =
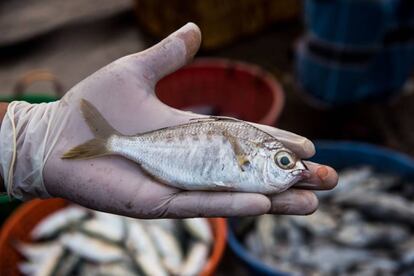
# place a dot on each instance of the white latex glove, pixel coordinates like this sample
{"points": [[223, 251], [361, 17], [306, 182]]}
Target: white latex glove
{"points": [[34, 137]]}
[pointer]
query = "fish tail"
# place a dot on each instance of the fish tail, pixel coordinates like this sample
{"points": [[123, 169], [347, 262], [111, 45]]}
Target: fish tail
{"points": [[102, 131]]}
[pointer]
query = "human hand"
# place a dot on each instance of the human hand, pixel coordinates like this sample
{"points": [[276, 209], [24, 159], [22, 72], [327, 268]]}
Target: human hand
{"points": [[123, 92]]}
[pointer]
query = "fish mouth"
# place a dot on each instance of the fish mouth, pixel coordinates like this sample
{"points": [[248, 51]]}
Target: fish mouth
{"points": [[301, 173]]}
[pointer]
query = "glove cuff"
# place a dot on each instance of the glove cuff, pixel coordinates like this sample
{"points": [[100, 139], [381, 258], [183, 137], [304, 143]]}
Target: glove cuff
{"points": [[27, 136]]}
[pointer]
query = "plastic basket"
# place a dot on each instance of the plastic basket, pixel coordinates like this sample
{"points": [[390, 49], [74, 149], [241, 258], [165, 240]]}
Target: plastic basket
{"points": [[231, 88], [338, 155], [20, 224]]}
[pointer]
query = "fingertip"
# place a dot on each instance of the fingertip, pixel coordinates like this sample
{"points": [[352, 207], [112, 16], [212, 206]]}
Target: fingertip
{"points": [[190, 33], [308, 148], [169, 54], [294, 202], [328, 176], [321, 177], [312, 203]]}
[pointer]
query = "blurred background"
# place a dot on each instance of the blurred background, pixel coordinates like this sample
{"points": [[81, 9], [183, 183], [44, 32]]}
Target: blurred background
{"points": [[328, 70], [333, 48]]}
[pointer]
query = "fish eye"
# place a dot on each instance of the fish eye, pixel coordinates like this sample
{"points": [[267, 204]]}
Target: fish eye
{"points": [[284, 160]]}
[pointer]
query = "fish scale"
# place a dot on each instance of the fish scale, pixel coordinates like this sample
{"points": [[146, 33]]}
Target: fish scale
{"points": [[212, 153]]}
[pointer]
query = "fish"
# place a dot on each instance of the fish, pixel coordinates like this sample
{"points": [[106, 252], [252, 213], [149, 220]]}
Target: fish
{"points": [[143, 250], [380, 205], [115, 269], [149, 266], [138, 240], [334, 260], [320, 223], [366, 234], [37, 252], [92, 249], [103, 230], [168, 248], [106, 226], [196, 259], [67, 264], [208, 153], [199, 228], [365, 228], [107, 269], [105, 244], [57, 221], [45, 266]]}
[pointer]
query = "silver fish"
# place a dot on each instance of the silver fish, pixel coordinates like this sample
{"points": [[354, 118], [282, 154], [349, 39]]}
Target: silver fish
{"points": [[369, 234], [168, 248], [45, 266], [107, 269], [38, 252], [199, 228], [381, 205], [225, 154], [196, 259], [364, 229], [115, 269], [320, 223], [143, 250], [96, 250], [98, 228], [57, 221]]}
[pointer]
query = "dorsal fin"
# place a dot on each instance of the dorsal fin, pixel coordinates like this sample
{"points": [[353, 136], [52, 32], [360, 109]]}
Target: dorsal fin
{"points": [[217, 118]]}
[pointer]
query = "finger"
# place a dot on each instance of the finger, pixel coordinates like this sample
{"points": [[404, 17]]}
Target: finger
{"points": [[294, 202], [171, 53], [300, 145], [321, 177], [216, 204]]}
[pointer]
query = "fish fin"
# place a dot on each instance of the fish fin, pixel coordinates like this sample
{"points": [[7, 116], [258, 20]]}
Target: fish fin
{"points": [[231, 119], [241, 155], [90, 149], [96, 122], [221, 184], [243, 162], [102, 130], [216, 118]]}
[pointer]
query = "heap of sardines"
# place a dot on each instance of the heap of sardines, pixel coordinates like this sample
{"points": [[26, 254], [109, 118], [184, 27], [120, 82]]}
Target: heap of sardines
{"points": [[210, 153], [79, 241], [363, 227]]}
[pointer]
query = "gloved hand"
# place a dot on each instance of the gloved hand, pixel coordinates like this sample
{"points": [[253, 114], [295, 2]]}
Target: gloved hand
{"points": [[34, 137]]}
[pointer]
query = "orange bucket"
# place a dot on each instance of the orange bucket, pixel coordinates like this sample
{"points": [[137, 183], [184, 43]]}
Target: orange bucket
{"points": [[23, 220]]}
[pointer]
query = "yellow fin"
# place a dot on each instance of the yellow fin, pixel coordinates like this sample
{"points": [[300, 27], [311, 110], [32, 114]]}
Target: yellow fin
{"points": [[243, 161], [101, 129], [90, 149], [241, 156], [96, 122]]}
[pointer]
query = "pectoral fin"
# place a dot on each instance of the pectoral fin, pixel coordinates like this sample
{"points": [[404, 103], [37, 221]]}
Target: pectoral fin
{"points": [[222, 186], [241, 155]]}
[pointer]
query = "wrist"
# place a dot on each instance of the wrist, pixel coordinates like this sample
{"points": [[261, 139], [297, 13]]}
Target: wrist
{"points": [[23, 148], [3, 110]]}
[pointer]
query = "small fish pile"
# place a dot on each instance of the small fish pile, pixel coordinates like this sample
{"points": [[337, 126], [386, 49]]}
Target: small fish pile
{"points": [[79, 241], [365, 226]]}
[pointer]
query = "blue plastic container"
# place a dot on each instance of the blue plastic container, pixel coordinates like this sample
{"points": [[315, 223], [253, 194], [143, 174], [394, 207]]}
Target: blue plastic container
{"points": [[355, 51], [338, 155]]}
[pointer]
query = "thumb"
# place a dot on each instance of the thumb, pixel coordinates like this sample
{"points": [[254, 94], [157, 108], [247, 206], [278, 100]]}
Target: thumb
{"points": [[170, 54]]}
